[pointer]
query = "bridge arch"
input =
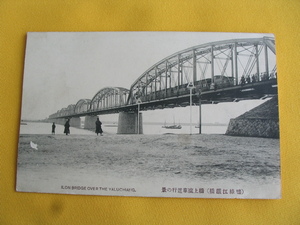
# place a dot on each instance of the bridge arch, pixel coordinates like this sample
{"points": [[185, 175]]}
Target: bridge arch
{"points": [[70, 109], [207, 66], [109, 97], [62, 112], [83, 105]]}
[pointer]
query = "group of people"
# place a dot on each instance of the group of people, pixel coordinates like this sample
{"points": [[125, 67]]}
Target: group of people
{"points": [[255, 77], [248, 80], [67, 127]]}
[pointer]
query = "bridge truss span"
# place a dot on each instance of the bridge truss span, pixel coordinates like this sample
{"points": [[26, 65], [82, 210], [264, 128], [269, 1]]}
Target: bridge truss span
{"points": [[219, 71], [82, 106], [208, 67], [108, 98]]}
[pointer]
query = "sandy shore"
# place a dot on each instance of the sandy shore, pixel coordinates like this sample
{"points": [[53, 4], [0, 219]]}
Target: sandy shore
{"points": [[150, 165]]}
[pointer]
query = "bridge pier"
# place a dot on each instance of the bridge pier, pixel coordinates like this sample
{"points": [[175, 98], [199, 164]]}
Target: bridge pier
{"points": [[89, 122], [128, 123], [75, 122]]}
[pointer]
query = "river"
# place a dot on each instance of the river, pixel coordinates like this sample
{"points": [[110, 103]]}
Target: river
{"points": [[45, 128]]}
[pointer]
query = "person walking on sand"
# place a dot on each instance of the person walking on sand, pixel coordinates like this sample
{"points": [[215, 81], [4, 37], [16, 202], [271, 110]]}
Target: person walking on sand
{"points": [[67, 127], [53, 128], [98, 127]]}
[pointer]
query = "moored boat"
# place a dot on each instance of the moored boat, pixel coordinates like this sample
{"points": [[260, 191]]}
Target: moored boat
{"points": [[173, 127]]}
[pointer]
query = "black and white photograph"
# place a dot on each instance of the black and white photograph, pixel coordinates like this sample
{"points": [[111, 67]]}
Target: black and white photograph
{"points": [[150, 114]]}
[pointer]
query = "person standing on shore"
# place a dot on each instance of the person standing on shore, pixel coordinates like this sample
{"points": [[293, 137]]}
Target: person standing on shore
{"points": [[53, 128], [98, 127], [67, 127]]}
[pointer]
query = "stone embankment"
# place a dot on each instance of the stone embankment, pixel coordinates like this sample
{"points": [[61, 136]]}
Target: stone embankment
{"points": [[261, 121]]}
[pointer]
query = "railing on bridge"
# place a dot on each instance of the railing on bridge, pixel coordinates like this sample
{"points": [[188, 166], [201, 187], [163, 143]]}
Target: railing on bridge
{"points": [[210, 67]]}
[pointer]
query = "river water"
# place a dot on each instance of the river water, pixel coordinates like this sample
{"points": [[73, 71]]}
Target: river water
{"points": [[45, 128]]}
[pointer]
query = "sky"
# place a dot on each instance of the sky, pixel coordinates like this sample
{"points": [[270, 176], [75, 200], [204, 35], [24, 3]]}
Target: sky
{"points": [[63, 67]]}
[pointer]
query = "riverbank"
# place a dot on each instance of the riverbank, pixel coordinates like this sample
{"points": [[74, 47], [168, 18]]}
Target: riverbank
{"points": [[150, 165]]}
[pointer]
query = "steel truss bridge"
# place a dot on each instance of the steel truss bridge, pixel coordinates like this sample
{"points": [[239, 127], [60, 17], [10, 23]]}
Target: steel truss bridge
{"points": [[223, 71]]}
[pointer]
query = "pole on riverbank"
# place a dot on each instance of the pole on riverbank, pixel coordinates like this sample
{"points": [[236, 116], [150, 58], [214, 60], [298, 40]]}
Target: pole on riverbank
{"points": [[139, 101], [191, 87]]}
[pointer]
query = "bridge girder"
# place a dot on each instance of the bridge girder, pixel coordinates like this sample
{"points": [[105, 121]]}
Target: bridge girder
{"points": [[202, 63], [63, 112], [210, 66], [109, 97], [83, 105], [70, 110]]}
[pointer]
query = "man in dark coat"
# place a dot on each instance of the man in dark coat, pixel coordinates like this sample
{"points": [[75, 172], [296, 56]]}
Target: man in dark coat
{"points": [[98, 127], [53, 128], [67, 127]]}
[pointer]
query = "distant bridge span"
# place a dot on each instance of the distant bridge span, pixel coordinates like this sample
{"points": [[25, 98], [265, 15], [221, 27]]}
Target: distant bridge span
{"points": [[228, 70]]}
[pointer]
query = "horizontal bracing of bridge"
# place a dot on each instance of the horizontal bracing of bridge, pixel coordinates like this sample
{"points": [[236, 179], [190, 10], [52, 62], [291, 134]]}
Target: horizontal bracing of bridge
{"points": [[210, 68]]}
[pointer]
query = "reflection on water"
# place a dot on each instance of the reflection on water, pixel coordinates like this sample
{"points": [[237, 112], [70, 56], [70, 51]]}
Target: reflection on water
{"points": [[45, 128]]}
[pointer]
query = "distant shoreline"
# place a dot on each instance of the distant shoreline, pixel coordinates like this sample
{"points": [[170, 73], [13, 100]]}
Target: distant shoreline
{"points": [[115, 123]]}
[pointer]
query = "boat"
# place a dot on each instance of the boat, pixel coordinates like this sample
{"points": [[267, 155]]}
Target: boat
{"points": [[174, 126]]}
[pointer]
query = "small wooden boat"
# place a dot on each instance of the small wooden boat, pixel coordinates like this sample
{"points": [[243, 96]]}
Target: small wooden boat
{"points": [[172, 126]]}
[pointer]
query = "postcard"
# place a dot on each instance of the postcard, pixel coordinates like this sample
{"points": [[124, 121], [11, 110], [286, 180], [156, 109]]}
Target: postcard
{"points": [[150, 114]]}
